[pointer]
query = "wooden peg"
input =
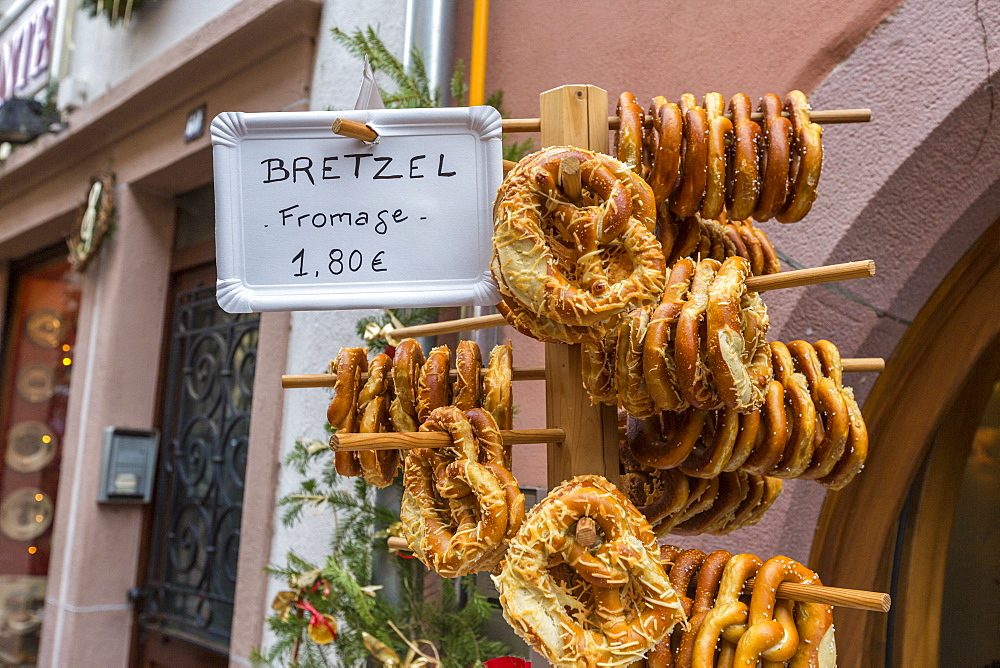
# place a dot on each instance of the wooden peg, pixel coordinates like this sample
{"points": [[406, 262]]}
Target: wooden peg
{"points": [[354, 130], [586, 531], [569, 178], [811, 276]]}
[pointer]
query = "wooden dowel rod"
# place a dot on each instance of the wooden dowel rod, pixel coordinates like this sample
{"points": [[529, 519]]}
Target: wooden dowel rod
{"points": [[569, 178], [786, 279], [844, 598], [876, 364], [297, 381], [429, 439], [354, 130], [811, 276], [397, 543], [822, 116]]}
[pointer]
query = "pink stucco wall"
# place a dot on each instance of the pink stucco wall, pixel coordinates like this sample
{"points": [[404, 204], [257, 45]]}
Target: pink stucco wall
{"points": [[912, 190]]}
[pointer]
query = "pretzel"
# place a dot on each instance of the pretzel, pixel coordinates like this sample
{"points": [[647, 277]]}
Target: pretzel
{"points": [[496, 457], [622, 602], [541, 328], [657, 493], [701, 494], [775, 159], [772, 435], [628, 139], [771, 263], [743, 178], [772, 489], [664, 441], [497, 394], [630, 383], [342, 413], [813, 622], [829, 360], [690, 189], [666, 140], [658, 366], [746, 438], [684, 569], [378, 467], [530, 210], [737, 352], [833, 425], [693, 373], [709, 576], [738, 570], [455, 511], [467, 388], [856, 450], [715, 446], [408, 361], [800, 414], [754, 497], [733, 489], [720, 136], [597, 362], [807, 159], [434, 389]]}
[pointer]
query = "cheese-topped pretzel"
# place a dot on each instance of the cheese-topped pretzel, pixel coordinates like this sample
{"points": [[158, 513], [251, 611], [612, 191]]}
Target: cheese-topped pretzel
{"points": [[434, 389], [658, 366], [744, 179], [541, 328], [497, 392], [737, 350], [530, 213], [813, 625], [597, 368], [623, 604], [720, 135], [833, 426], [775, 156], [800, 412], [665, 440], [633, 393], [342, 413], [707, 587], [690, 348], [408, 361], [467, 389], [665, 139], [628, 139], [690, 190], [807, 159], [378, 467], [455, 510]]}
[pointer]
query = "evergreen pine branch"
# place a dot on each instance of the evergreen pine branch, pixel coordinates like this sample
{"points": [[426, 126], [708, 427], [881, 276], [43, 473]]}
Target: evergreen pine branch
{"points": [[459, 89], [412, 87]]}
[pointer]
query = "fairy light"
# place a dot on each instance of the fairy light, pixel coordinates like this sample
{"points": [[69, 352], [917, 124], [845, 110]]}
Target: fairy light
{"points": [[39, 497], [32, 549], [66, 361]]}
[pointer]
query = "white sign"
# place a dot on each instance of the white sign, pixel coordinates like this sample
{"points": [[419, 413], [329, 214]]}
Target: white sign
{"points": [[26, 51], [307, 219]]}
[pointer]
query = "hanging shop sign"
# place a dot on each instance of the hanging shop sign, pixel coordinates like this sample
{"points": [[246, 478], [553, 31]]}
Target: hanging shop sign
{"points": [[307, 219], [26, 51]]}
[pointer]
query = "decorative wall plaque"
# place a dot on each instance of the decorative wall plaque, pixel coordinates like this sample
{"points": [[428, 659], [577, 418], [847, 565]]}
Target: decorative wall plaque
{"points": [[30, 446], [25, 514], [94, 221]]}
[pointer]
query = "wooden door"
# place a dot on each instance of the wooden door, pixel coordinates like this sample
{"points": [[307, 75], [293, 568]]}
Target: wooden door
{"points": [[185, 603]]}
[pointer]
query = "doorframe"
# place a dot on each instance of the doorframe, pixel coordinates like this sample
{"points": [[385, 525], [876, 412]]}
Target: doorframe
{"points": [[855, 541]]}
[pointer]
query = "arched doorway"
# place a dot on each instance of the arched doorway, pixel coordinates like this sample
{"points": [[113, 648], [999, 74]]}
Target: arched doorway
{"points": [[892, 524]]}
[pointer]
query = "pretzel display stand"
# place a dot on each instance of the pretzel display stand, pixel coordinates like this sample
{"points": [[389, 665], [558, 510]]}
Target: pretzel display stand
{"points": [[582, 437]]}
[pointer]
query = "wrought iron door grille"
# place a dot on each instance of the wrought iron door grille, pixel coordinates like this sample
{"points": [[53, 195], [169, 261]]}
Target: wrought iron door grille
{"points": [[191, 581]]}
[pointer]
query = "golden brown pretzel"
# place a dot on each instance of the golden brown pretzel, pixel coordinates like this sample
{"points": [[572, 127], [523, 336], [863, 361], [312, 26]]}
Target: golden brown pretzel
{"points": [[772, 436], [800, 415], [771, 263], [738, 570], [658, 364], [530, 213], [702, 493], [755, 495], [667, 135], [623, 562], [690, 348], [408, 361], [467, 389], [833, 425], [746, 438], [378, 467], [807, 159], [775, 154], [715, 446], [628, 139], [664, 441], [755, 253], [342, 413], [633, 394], [829, 360], [656, 493], [690, 190], [683, 572], [497, 392], [434, 389], [709, 577], [744, 180], [455, 511], [764, 635], [688, 237], [856, 451], [720, 136], [598, 362], [732, 490], [772, 489], [542, 328], [739, 358]]}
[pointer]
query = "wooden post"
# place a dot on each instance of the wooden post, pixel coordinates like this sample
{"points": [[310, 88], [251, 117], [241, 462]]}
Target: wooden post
{"points": [[576, 116]]}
